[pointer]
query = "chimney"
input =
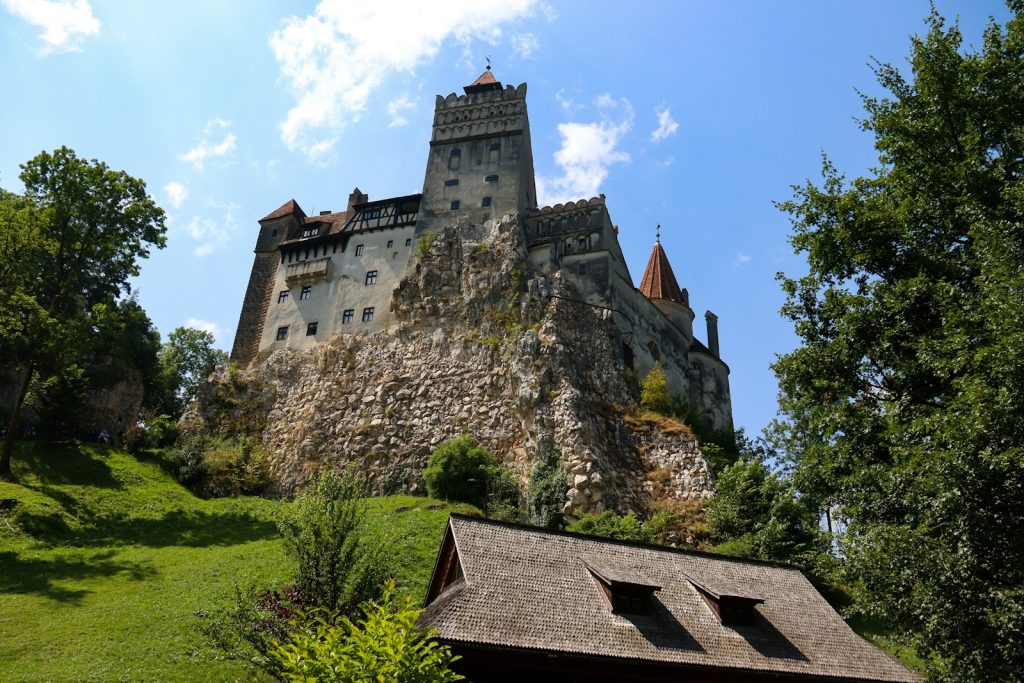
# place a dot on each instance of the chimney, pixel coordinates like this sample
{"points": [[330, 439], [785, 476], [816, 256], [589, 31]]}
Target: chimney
{"points": [[712, 321], [357, 197]]}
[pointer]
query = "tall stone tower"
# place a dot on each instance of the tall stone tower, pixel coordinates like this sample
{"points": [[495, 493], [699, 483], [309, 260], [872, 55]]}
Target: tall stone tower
{"points": [[481, 161]]}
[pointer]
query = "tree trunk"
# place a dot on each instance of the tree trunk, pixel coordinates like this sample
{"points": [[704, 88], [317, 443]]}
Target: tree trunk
{"points": [[13, 424]]}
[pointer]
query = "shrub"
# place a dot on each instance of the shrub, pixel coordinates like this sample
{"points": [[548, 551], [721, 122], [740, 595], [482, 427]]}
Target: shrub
{"points": [[545, 496], [323, 532], [460, 470], [611, 525], [220, 466], [423, 244], [654, 391], [136, 439], [163, 429], [385, 645]]}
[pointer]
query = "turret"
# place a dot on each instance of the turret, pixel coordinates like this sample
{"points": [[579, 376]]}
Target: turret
{"points": [[480, 162], [660, 286]]}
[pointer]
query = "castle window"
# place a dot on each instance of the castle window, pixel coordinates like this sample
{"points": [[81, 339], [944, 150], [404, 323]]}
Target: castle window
{"points": [[491, 179], [455, 205], [282, 333], [306, 292], [368, 314], [581, 269], [494, 154], [359, 250], [581, 243], [627, 356], [311, 329], [310, 232], [486, 201], [346, 317], [454, 158], [282, 296], [371, 277], [391, 243], [451, 182], [495, 146], [371, 213], [408, 242]]}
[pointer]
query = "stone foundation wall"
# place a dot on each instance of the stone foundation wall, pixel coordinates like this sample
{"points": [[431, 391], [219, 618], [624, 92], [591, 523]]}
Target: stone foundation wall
{"points": [[483, 345]]}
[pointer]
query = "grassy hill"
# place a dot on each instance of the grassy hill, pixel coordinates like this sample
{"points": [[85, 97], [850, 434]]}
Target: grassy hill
{"points": [[105, 559]]}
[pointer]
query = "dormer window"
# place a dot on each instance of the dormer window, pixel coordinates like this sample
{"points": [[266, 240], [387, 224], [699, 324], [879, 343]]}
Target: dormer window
{"points": [[622, 590], [731, 609], [310, 232]]}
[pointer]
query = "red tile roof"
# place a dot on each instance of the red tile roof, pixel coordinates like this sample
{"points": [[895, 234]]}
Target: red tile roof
{"points": [[335, 222], [659, 281], [484, 83], [289, 207], [486, 78]]}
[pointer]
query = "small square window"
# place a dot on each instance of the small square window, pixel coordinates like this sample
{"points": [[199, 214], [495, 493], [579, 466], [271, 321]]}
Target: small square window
{"points": [[486, 201], [455, 205], [368, 314], [282, 333], [391, 243], [311, 329], [491, 179], [581, 243], [451, 182], [310, 232], [408, 242], [282, 296], [371, 277], [582, 268], [495, 146], [346, 317], [456, 152], [359, 250], [306, 292]]}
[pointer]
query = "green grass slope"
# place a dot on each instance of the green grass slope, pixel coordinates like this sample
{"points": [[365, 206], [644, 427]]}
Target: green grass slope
{"points": [[105, 560]]}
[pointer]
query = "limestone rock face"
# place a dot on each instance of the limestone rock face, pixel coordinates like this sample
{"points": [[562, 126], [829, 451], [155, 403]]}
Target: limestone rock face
{"points": [[483, 345]]}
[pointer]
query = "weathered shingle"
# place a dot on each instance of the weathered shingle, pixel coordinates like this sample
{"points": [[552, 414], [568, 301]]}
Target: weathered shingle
{"points": [[531, 588]]}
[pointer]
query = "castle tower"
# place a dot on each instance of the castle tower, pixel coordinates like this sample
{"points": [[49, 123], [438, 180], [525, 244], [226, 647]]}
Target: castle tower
{"points": [[481, 161], [274, 228], [660, 286]]}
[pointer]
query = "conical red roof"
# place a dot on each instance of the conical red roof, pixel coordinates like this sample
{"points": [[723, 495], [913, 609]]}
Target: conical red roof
{"points": [[659, 281], [485, 82]]}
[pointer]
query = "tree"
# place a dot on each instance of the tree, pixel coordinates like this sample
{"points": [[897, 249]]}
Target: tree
{"points": [[186, 359], [903, 405], [464, 471], [71, 243], [654, 391]]}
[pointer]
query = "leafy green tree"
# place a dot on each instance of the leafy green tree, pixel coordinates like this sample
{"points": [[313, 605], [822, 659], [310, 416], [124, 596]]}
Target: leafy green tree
{"points": [[654, 391], [323, 532], [902, 407], [757, 514], [71, 243], [385, 645], [186, 359], [464, 471]]}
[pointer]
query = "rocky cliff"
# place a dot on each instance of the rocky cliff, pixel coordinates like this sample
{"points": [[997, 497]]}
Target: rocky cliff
{"points": [[483, 345]]}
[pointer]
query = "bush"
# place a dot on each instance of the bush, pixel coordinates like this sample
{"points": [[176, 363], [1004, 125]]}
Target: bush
{"points": [[545, 496], [654, 391], [611, 525], [386, 645], [460, 470], [136, 439], [220, 466], [423, 244], [323, 534], [163, 429]]}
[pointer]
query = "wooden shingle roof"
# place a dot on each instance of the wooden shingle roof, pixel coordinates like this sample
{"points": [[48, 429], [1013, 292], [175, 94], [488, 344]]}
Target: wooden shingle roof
{"points": [[659, 282], [531, 589]]}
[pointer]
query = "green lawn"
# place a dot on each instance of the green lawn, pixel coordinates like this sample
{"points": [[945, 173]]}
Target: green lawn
{"points": [[105, 560]]}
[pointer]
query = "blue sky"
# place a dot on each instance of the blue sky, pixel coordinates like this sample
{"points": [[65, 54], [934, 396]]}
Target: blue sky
{"points": [[697, 115]]}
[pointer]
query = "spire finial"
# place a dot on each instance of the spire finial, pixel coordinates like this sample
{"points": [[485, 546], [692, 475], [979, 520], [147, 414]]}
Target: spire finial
{"points": [[488, 62], [657, 234]]}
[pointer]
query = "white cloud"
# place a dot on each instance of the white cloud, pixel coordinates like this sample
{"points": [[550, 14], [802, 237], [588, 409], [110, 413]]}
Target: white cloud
{"points": [[64, 22], [525, 44], [204, 325], [666, 162], [567, 103], [667, 126], [212, 233], [742, 260], [206, 149], [587, 151], [176, 193], [335, 59], [395, 108]]}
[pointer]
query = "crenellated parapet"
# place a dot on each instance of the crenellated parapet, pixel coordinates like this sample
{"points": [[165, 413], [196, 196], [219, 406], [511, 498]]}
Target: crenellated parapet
{"points": [[494, 112]]}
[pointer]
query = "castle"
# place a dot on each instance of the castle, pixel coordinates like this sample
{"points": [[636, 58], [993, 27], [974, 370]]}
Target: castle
{"points": [[315, 277]]}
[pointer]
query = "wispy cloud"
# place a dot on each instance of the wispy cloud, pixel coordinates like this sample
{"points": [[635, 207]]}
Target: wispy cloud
{"points": [[65, 23], [206, 148], [210, 233], [395, 108], [567, 103], [667, 126], [666, 162], [204, 325], [176, 193], [335, 59], [525, 44], [741, 260], [587, 151]]}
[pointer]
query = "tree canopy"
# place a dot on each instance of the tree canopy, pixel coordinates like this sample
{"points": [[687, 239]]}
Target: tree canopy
{"points": [[902, 407], [70, 244]]}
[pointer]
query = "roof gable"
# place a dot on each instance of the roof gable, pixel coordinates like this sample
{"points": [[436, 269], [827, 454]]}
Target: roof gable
{"points": [[288, 208]]}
